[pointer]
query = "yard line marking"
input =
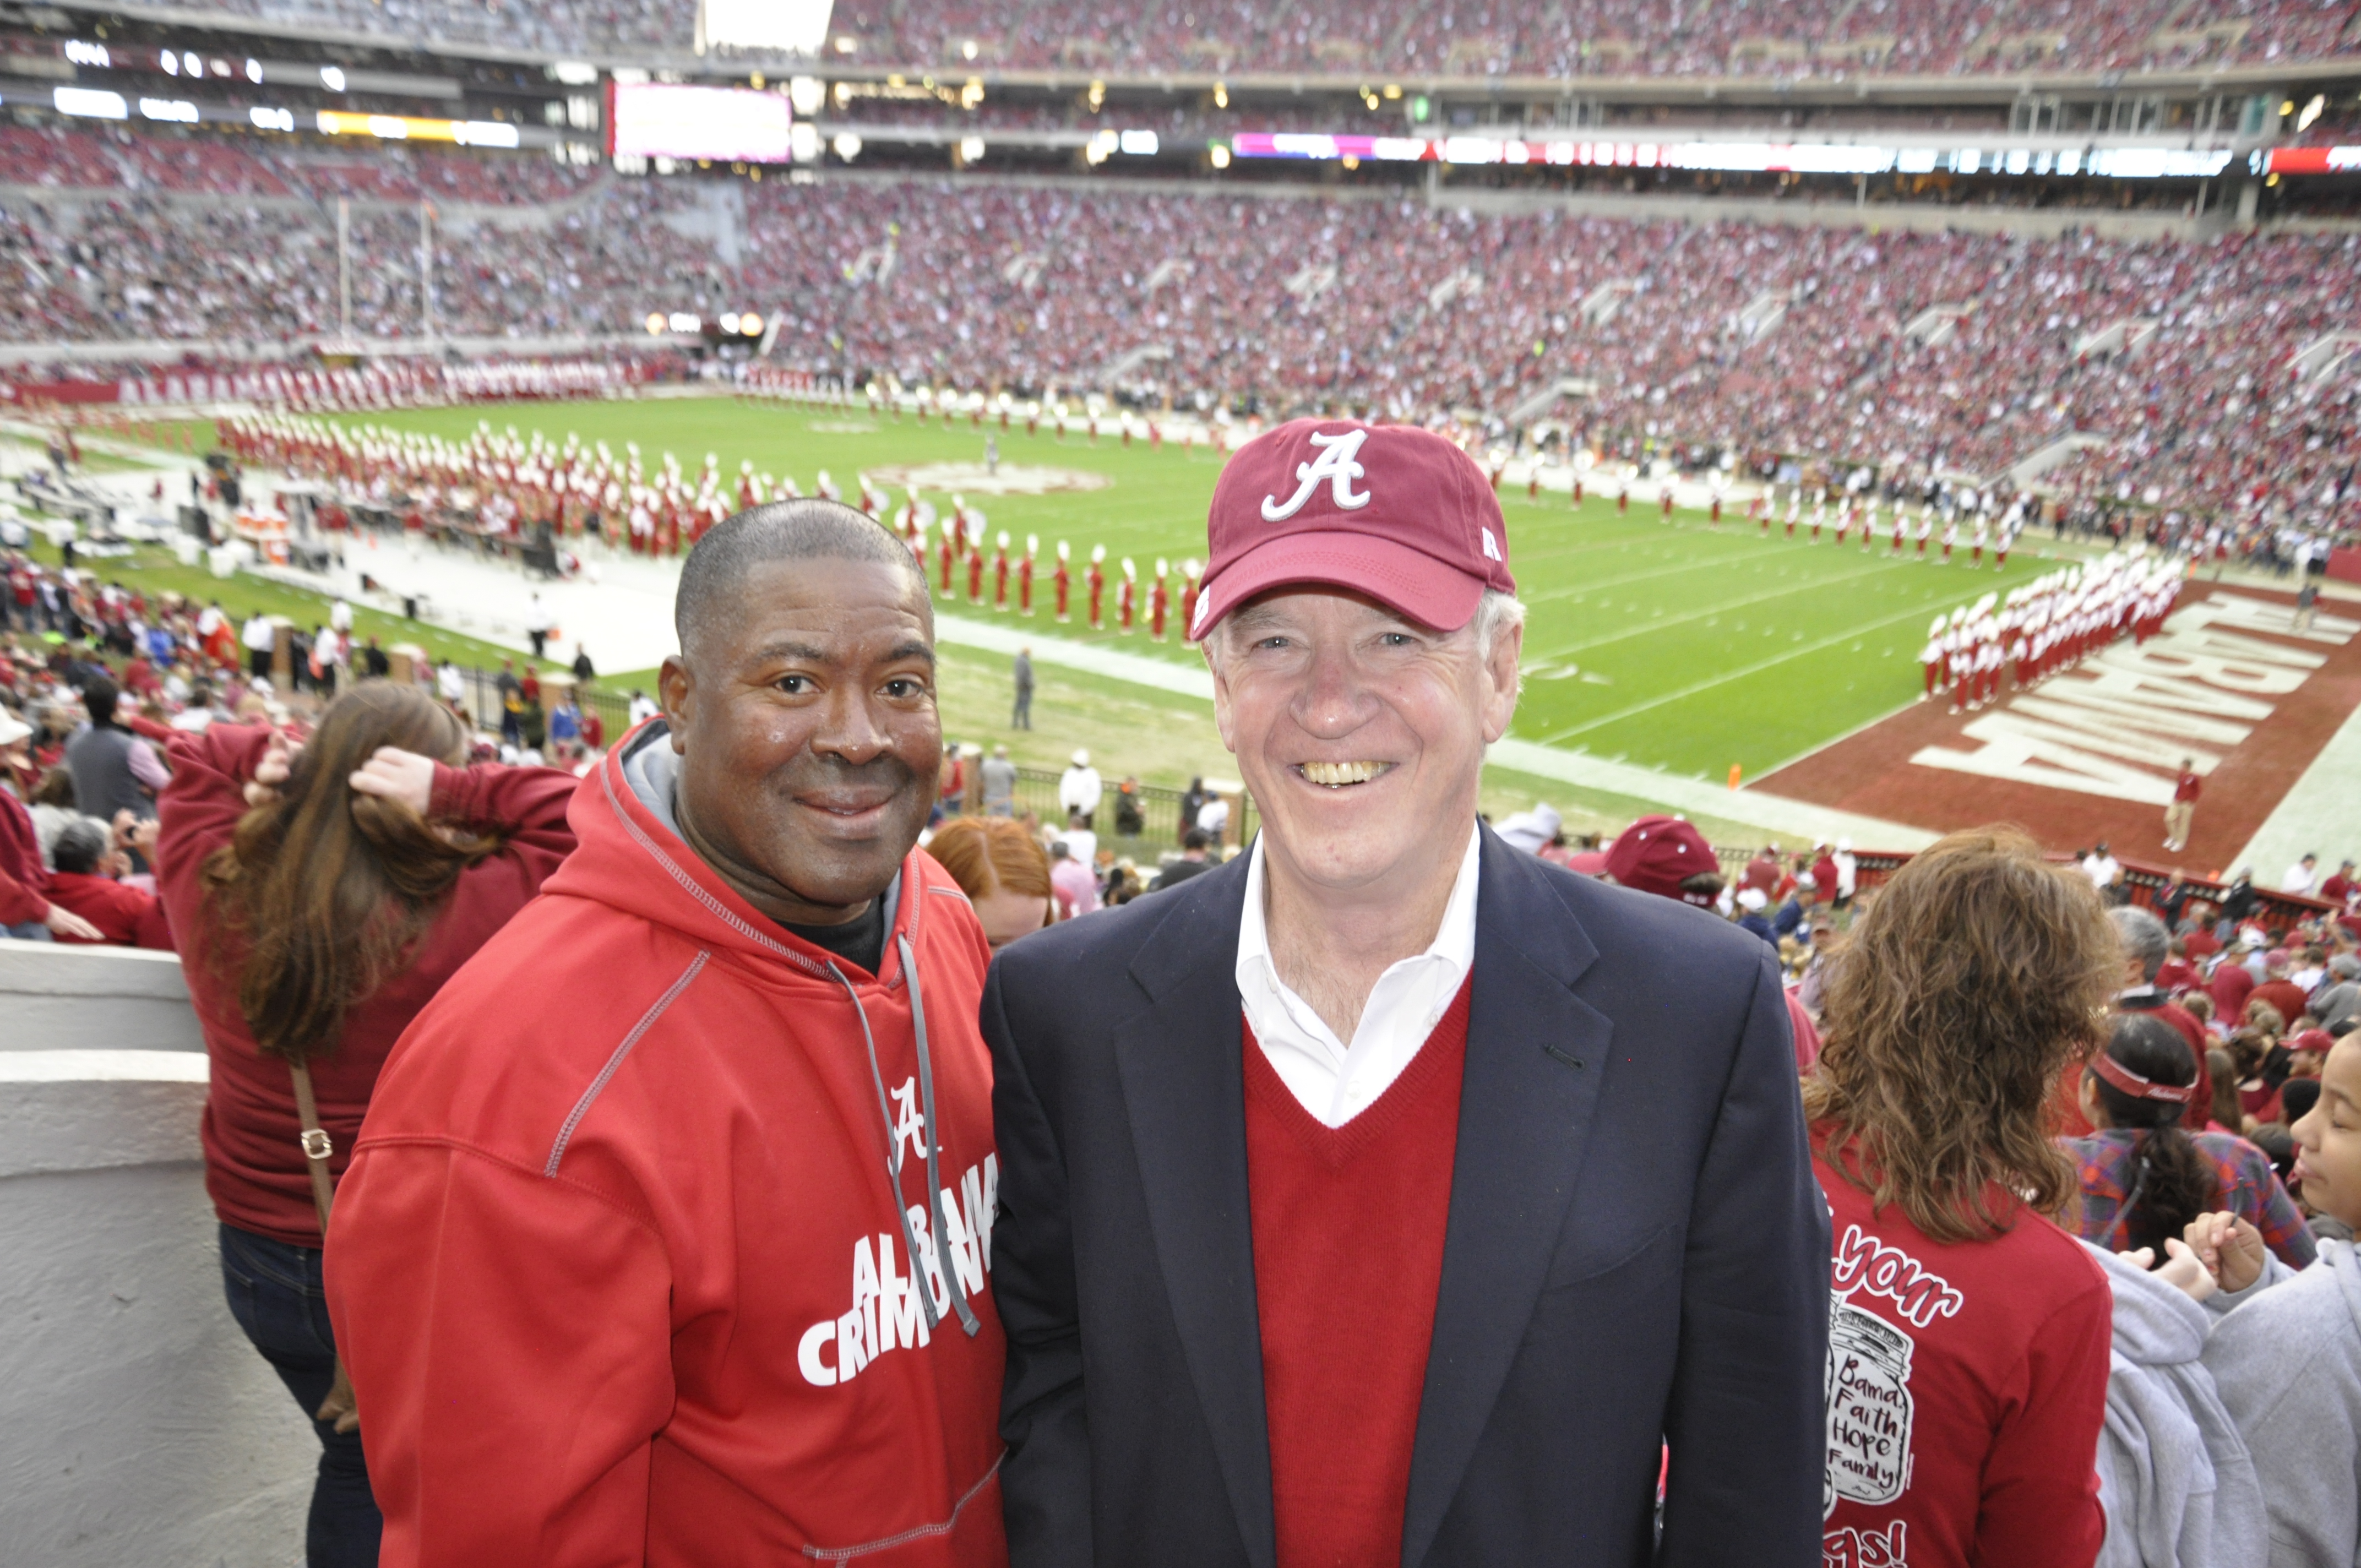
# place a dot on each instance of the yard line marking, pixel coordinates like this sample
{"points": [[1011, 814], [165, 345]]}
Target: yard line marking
{"points": [[1724, 606], [1709, 563], [1533, 552], [1738, 675], [1541, 549]]}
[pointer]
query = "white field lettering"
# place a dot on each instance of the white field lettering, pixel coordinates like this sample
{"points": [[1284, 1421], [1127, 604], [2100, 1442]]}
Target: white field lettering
{"points": [[2119, 726]]}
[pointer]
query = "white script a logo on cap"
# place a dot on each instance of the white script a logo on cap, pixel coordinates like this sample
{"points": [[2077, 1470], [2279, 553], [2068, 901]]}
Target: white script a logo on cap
{"points": [[1335, 464]]}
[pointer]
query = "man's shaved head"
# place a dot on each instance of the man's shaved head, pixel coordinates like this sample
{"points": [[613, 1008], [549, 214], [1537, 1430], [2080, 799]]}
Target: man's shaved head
{"points": [[807, 529]]}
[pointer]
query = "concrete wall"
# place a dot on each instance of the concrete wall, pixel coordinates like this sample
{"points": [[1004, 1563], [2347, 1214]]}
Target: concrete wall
{"points": [[137, 1427]]}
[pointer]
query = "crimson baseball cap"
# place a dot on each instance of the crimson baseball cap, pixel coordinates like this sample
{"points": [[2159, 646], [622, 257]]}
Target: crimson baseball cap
{"points": [[1389, 511], [1656, 854]]}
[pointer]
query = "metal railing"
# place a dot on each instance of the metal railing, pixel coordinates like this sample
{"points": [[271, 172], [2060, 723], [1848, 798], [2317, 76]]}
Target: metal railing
{"points": [[1157, 809]]}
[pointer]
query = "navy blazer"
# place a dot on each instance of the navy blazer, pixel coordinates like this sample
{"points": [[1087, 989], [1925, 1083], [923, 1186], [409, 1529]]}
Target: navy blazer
{"points": [[1637, 1252]]}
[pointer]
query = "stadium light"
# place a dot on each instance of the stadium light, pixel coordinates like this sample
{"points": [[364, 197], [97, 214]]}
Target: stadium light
{"points": [[332, 78], [792, 27], [729, 322], [655, 323], [803, 142], [971, 149], [847, 146], [169, 62], [575, 74], [684, 320], [807, 95], [254, 70], [82, 53], [398, 127], [179, 111], [1220, 155], [91, 104], [750, 324], [271, 119], [1138, 144], [191, 65]]}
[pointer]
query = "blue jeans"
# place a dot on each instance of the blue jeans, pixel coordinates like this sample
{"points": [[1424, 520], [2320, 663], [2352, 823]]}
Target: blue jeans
{"points": [[276, 1296], [30, 931]]}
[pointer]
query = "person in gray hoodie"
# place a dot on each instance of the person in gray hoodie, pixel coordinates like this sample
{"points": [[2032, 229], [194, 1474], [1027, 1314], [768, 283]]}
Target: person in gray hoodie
{"points": [[2174, 1475], [2286, 1356]]}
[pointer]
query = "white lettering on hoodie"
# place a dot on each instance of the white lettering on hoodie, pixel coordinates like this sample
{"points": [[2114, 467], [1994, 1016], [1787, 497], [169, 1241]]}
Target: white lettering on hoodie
{"points": [[886, 1314]]}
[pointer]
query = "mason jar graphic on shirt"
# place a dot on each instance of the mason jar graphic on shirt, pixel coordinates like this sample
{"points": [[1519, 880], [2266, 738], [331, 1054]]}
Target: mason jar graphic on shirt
{"points": [[1869, 1408]]}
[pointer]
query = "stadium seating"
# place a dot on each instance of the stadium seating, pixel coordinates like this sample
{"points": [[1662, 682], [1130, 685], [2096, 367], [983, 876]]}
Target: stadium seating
{"points": [[1427, 37], [1926, 352]]}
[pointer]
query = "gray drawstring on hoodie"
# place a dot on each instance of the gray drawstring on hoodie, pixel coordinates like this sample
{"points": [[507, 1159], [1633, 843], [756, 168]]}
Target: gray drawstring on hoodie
{"points": [[894, 1150]]}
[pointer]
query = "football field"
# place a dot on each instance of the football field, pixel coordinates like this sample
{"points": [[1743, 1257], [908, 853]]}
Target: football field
{"points": [[1680, 646]]}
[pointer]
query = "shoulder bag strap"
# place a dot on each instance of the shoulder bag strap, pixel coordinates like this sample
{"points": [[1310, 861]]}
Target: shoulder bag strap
{"points": [[317, 1150], [340, 1409]]}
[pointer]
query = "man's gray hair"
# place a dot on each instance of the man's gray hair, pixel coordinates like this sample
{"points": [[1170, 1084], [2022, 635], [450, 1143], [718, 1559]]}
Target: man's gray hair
{"points": [[2144, 938], [1495, 613], [81, 846]]}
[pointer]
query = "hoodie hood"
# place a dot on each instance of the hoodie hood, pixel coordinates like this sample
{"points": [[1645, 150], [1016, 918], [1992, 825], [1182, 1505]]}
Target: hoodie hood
{"points": [[2340, 1260], [625, 818], [2155, 1324]]}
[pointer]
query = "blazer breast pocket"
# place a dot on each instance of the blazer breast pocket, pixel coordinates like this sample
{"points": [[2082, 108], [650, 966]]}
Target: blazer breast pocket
{"points": [[1631, 1298], [1594, 1263]]}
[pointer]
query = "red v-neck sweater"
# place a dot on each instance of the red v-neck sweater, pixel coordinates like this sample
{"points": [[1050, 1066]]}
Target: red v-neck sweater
{"points": [[1348, 1226]]}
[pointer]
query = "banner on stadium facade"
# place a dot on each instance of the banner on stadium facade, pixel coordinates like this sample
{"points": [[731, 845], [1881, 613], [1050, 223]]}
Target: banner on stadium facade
{"points": [[2309, 160]]}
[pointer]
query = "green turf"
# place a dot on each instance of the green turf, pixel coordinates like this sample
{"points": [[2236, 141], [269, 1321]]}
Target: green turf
{"points": [[1679, 646]]}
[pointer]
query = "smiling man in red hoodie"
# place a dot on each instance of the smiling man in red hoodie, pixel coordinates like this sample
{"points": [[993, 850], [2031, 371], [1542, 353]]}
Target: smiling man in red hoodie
{"points": [[668, 1238]]}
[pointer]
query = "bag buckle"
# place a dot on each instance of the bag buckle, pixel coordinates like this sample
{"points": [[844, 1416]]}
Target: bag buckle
{"points": [[316, 1144]]}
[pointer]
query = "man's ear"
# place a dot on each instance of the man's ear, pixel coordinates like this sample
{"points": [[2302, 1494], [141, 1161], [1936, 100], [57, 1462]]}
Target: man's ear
{"points": [[1222, 715], [1500, 669], [676, 693]]}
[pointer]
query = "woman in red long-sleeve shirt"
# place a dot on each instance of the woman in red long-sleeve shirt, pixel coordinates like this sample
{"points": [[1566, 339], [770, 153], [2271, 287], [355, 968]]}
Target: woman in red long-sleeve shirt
{"points": [[323, 896], [1968, 1335]]}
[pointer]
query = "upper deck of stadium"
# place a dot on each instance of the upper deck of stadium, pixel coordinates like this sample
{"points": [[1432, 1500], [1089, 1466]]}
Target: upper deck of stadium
{"points": [[1425, 40]]}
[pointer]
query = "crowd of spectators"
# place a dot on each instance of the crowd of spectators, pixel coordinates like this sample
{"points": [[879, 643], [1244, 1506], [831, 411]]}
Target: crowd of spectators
{"points": [[1459, 38], [1918, 353], [1623, 37]]}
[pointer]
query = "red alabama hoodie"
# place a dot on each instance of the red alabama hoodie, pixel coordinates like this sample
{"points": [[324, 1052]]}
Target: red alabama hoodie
{"points": [[620, 1270]]}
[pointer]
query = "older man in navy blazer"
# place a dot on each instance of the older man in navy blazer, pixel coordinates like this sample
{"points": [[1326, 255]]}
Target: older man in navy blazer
{"points": [[1388, 1195]]}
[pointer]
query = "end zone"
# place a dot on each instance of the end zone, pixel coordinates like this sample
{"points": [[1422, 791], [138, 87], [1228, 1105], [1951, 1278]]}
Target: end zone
{"points": [[2230, 683]]}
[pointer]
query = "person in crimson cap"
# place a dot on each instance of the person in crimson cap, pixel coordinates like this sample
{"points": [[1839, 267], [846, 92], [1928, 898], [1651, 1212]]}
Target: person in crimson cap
{"points": [[1390, 1195], [1666, 856]]}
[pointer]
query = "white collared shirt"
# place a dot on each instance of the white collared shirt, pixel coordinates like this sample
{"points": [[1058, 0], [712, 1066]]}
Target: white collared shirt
{"points": [[1335, 1083]]}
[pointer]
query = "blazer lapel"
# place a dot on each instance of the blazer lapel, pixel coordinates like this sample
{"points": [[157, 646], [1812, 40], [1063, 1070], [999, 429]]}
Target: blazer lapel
{"points": [[1535, 1056], [1183, 1083]]}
